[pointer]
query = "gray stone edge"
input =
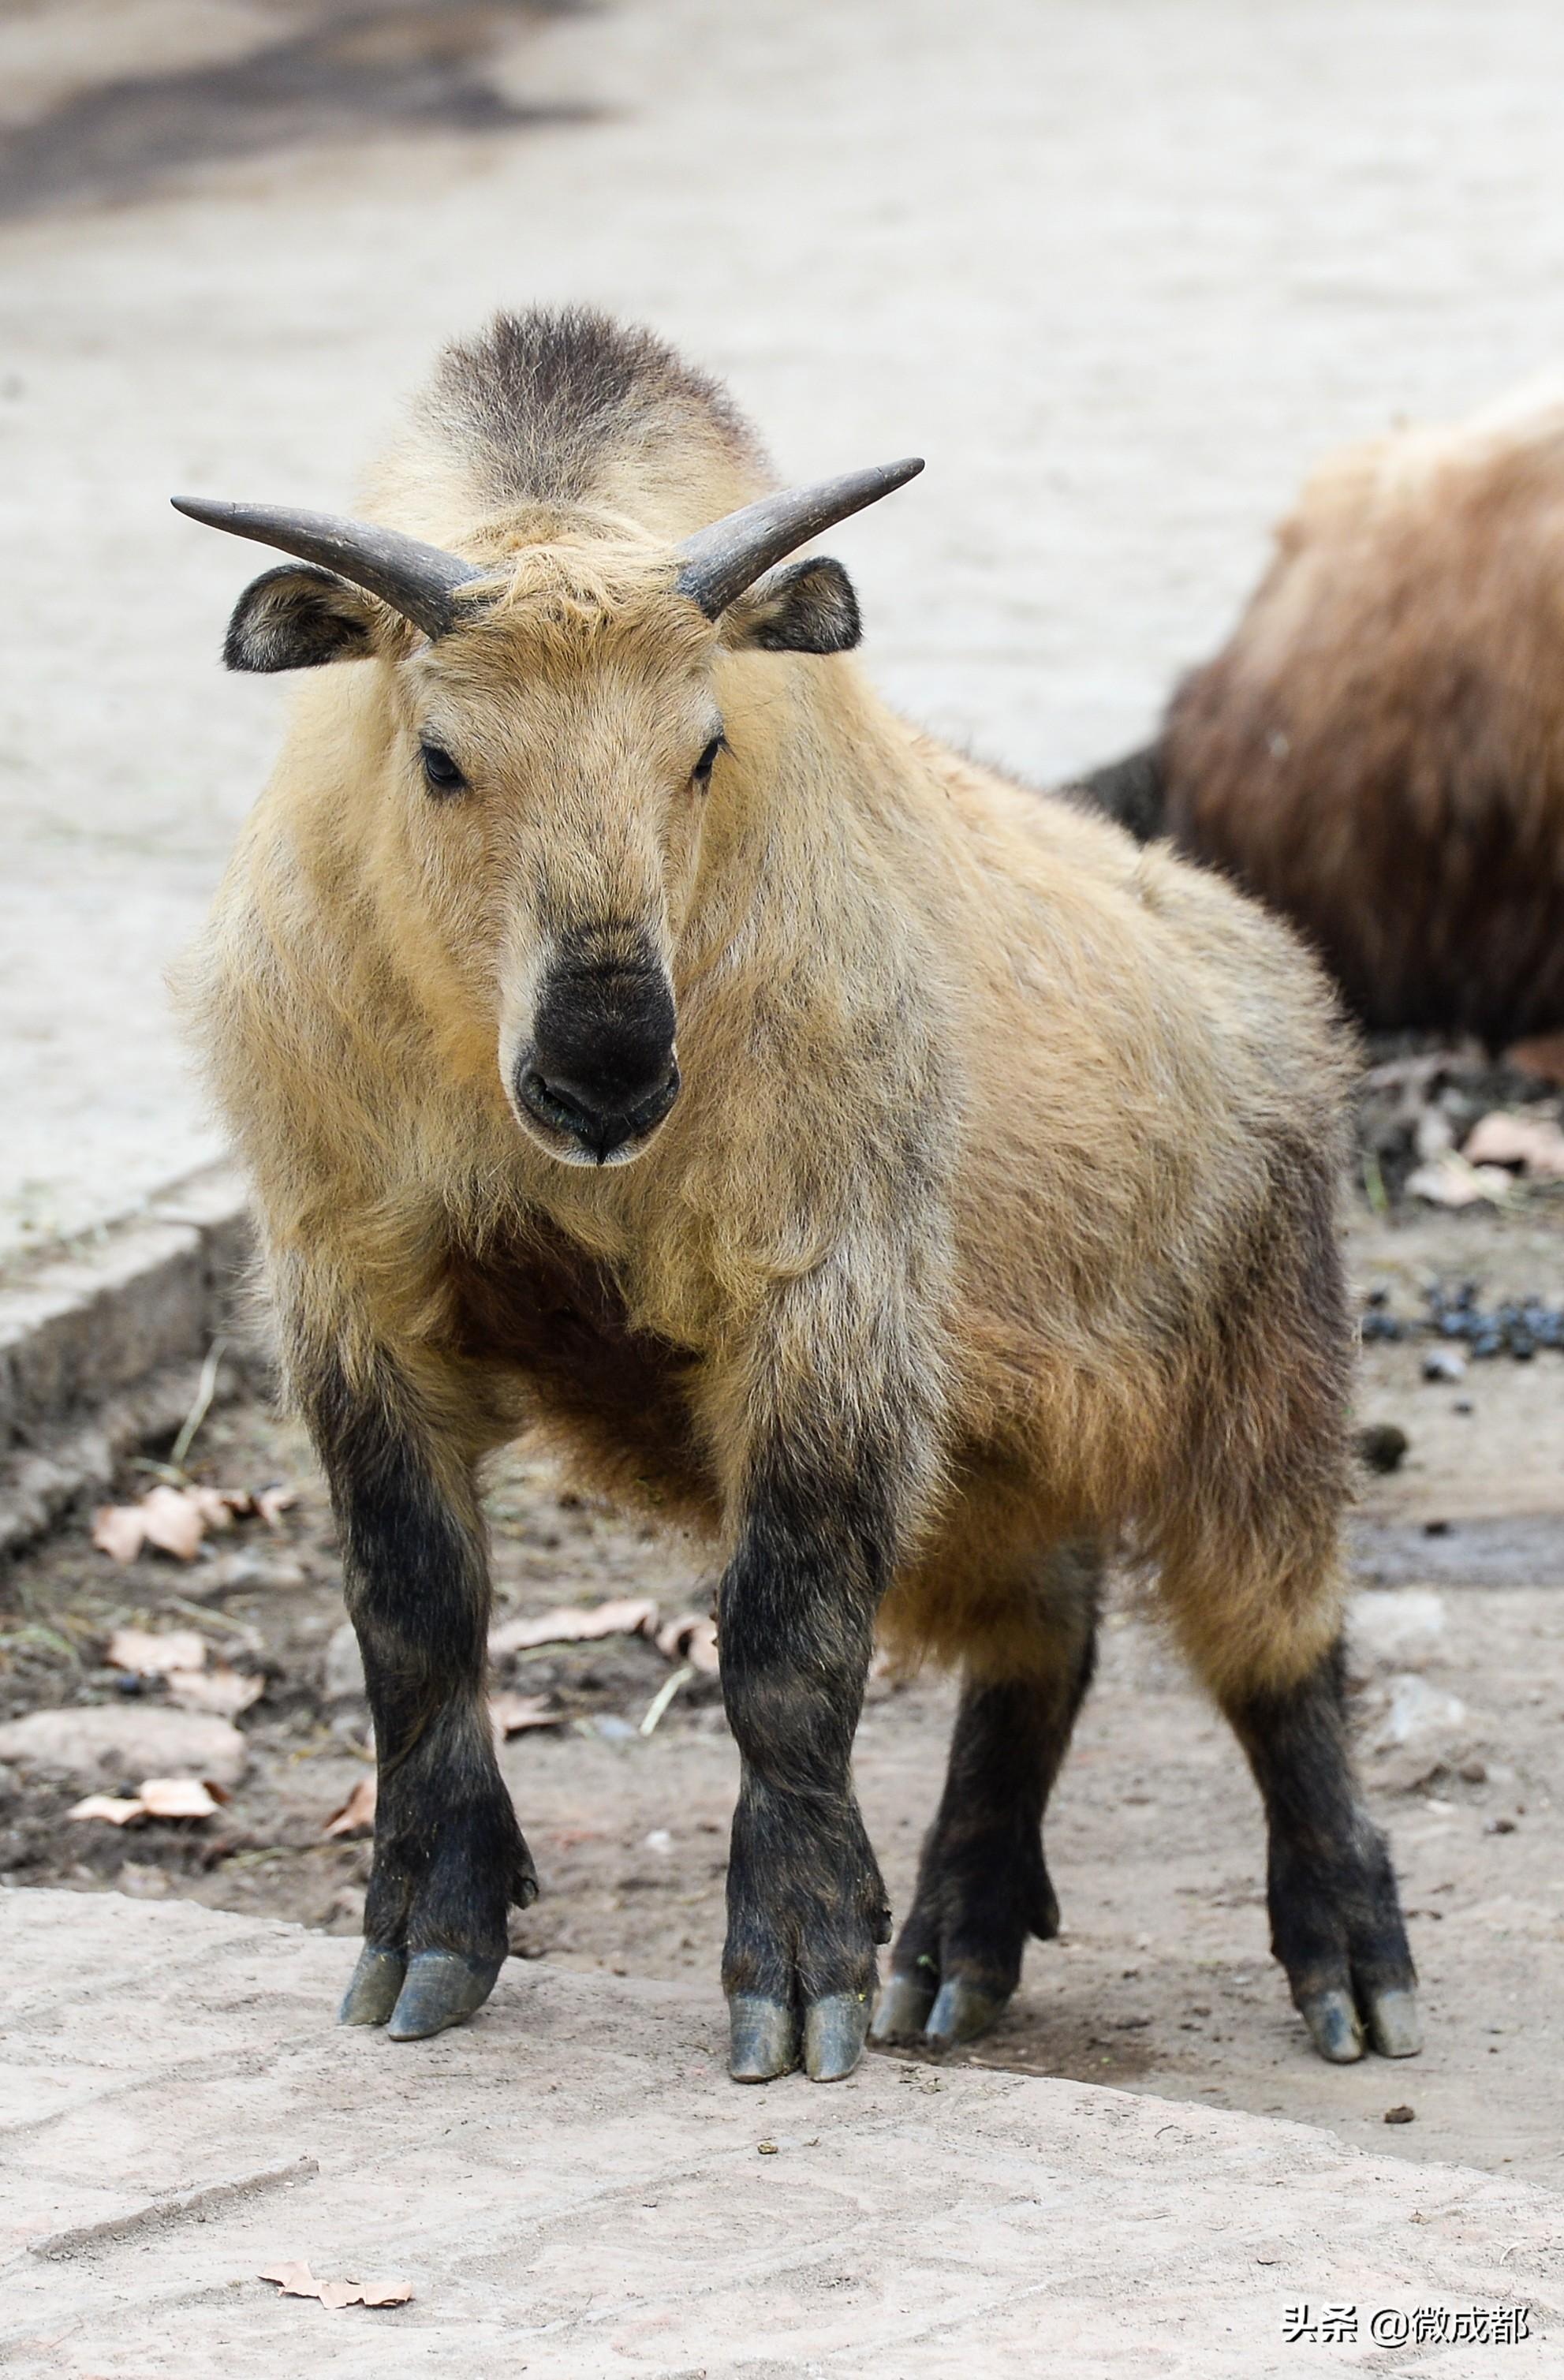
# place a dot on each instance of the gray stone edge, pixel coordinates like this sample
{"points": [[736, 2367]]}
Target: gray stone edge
{"points": [[103, 1341]]}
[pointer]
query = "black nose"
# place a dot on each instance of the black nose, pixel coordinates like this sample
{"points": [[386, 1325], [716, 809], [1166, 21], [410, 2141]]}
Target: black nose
{"points": [[569, 1107], [601, 1065]]}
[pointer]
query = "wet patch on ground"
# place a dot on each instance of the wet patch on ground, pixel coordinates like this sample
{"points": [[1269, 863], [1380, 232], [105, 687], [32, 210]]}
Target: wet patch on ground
{"points": [[354, 73]]}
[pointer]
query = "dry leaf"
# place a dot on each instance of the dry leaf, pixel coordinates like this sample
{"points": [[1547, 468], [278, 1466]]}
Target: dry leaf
{"points": [[1449, 1181], [693, 1638], [272, 1503], [356, 1812], [158, 1797], [512, 1713], [148, 1655], [296, 2281], [178, 1797], [222, 1689], [575, 1624], [175, 1520], [117, 1532], [1534, 1142], [111, 1807]]}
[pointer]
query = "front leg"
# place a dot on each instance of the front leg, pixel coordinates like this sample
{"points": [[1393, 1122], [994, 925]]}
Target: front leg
{"points": [[450, 1858], [806, 1908]]}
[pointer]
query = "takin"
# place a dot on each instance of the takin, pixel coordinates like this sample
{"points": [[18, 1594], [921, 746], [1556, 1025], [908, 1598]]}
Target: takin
{"points": [[639, 1034], [1379, 750]]}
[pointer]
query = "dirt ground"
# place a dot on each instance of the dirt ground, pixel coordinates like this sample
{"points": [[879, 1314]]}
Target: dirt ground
{"points": [[1161, 1981]]}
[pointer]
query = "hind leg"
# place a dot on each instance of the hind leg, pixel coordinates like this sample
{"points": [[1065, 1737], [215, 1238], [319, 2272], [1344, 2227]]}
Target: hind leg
{"points": [[983, 1886], [1335, 1919]]}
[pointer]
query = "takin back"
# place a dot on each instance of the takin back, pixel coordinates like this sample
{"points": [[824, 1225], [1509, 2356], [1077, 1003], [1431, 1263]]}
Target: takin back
{"points": [[639, 1034]]}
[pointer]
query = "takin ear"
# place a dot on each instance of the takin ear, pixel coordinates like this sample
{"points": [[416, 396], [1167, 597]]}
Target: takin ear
{"points": [[300, 617], [805, 607]]}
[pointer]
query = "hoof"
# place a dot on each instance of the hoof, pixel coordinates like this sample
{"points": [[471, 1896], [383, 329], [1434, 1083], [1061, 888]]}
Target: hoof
{"points": [[903, 2008], [961, 2013], [1395, 2029], [372, 1995], [442, 1988], [764, 2039], [834, 2031], [1333, 2027]]}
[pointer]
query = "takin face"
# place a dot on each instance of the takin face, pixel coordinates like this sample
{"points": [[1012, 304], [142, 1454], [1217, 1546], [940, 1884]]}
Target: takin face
{"points": [[554, 728]]}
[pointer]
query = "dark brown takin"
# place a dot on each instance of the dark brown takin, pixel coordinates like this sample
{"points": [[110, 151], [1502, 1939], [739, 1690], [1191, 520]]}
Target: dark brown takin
{"points": [[639, 1034]]}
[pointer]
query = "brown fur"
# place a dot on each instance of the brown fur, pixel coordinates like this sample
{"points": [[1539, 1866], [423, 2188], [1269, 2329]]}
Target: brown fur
{"points": [[1006, 1151], [1378, 751]]}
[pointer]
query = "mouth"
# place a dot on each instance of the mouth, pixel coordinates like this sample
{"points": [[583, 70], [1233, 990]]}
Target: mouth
{"points": [[580, 1134]]}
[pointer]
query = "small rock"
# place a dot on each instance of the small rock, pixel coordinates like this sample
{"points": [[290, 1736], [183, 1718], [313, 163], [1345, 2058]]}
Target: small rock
{"points": [[1499, 1827], [342, 1678], [1473, 1772], [1444, 1364], [612, 1728], [1401, 2115], [1382, 1447], [128, 1740]]}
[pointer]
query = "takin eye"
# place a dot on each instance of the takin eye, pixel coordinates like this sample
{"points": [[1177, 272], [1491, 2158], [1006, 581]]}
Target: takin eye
{"points": [[441, 773], [701, 774]]}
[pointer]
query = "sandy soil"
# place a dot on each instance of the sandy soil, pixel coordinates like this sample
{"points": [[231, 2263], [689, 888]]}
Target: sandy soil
{"points": [[1161, 1981]]}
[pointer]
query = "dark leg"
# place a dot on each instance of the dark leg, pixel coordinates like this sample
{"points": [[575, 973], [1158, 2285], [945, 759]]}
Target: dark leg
{"points": [[805, 1903], [982, 1884], [449, 1855], [1336, 1920]]}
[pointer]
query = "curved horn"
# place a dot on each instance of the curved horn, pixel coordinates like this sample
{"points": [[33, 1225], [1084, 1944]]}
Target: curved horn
{"points": [[416, 579], [721, 561]]}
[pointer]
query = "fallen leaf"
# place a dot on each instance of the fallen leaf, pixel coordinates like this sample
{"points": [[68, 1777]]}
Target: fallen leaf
{"points": [[296, 2281], [117, 1531], [111, 1807], [693, 1638], [222, 1689], [355, 1814], [1449, 1181], [575, 1624], [157, 1797], [148, 1655], [513, 1713], [1534, 1142], [175, 1520], [178, 1797]]}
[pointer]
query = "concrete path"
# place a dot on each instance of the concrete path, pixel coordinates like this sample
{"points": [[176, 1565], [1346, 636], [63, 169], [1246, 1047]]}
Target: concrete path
{"points": [[574, 2189], [1119, 271]]}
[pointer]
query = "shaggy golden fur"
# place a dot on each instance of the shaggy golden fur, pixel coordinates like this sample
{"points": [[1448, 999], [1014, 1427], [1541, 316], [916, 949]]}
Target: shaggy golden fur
{"points": [[1005, 1146], [1379, 750]]}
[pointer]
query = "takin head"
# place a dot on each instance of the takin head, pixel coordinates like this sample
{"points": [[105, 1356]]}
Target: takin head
{"points": [[557, 707]]}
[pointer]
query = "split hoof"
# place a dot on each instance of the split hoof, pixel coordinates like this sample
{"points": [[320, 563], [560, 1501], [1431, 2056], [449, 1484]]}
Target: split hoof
{"points": [[442, 1988], [1395, 2029], [835, 2029], [764, 2039], [961, 2013], [377, 1980], [903, 2009], [1333, 2027]]}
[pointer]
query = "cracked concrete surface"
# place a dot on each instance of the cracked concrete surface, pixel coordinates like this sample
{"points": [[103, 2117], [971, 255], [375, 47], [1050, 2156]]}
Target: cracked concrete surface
{"points": [[1120, 270]]}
